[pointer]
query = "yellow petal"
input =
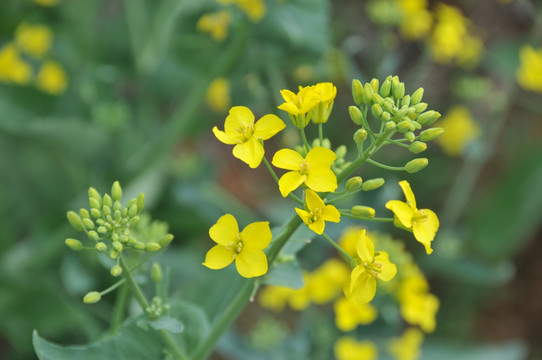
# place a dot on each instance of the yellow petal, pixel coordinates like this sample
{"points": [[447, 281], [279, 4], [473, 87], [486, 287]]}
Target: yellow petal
{"points": [[250, 152], [287, 159], [365, 247], [321, 180], [268, 126], [289, 108], [320, 157], [331, 213], [218, 257], [240, 117], [402, 211], [256, 235], [318, 226], [225, 230], [304, 215], [409, 195], [223, 137], [251, 263], [290, 181], [363, 289], [287, 95], [388, 269], [313, 201], [425, 230]]}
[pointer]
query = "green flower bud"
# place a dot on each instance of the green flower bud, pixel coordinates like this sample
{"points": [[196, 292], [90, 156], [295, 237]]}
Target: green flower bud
{"points": [[416, 96], [165, 240], [372, 184], [96, 213], [406, 101], [125, 212], [106, 210], [92, 297], [133, 221], [376, 110], [156, 273], [113, 254], [375, 84], [102, 229], [116, 245], [93, 235], [416, 165], [388, 105], [403, 126], [116, 191], [140, 202], [360, 136], [89, 224], [420, 107], [427, 118], [415, 125], [101, 247], [116, 270], [409, 135], [117, 215], [74, 244], [368, 94], [94, 203], [84, 214], [340, 152], [431, 134], [417, 147], [385, 88], [357, 92], [354, 183], [394, 82], [364, 211], [123, 239], [355, 115], [75, 221], [117, 205], [390, 126], [107, 201], [326, 143], [386, 116], [93, 193], [114, 237], [152, 247], [132, 211], [399, 91], [138, 245]]}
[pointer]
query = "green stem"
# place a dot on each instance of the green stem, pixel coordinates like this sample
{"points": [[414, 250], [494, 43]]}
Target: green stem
{"points": [[112, 287], [340, 250], [119, 309], [397, 142], [272, 172], [305, 142], [347, 213], [386, 167], [343, 196], [321, 134], [238, 303]]}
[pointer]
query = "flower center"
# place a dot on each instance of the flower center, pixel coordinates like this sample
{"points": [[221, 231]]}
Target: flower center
{"points": [[304, 168], [419, 216], [316, 214], [246, 132], [374, 268], [236, 246]]}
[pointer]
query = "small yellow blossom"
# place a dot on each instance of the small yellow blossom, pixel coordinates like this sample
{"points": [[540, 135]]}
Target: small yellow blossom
{"points": [[324, 93], [12, 67], [529, 74], [325, 283], [274, 298], [348, 348], [247, 136], [318, 212], [47, 3], [216, 24], [51, 78], [299, 105], [314, 170], [218, 94], [407, 347], [416, 20], [349, 239], [35, 40], [360, 287], [254, 9], [423, 223], [459, 130], [245, 247], [348, 315]]}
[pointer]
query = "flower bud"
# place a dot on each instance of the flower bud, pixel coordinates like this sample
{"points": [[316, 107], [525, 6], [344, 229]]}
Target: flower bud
{"points": [[138, 245], [326, 143], [390, 126], [84, 214], [363, 211], [403, 126], [431, 134], [372, 184], [94, 203], [420, 107], [156, 273], [354, 183], [96, 213], [165, 240], [355, 115], [357, 92], [375, 84], [378, 99], [340, 152], [409, 135], [406, 101], [116, 191], [102, 229], [74, 244], [116, 270], [416, 96], [360, 136], [113, 254], [75, 221], [89, 224], [385, 88], [93, 235], [117, 206], [416, 165], [94, 194], [399, 91], [116, 245], [376, 110], [101, 247], [133, 221], [140, 202], [92, 297], [152, 247], [368, 94], [386, 116], [417, 147], [427, 118]]}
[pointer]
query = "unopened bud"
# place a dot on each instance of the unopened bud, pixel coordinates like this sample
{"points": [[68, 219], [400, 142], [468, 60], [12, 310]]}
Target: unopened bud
{"points": [[137, 244], [357, 91], [117, 206], [360, 136], [427, 118], [326, 143], [95, 203], [116, 191], [165, 240], [375, 84], [390, 126], [117, 245], [405, 101], [92, 297], [75, 221], [376, 110], [378, 99], [340, 152], [113, 254], [152, 247], [363, 211], [399, 91], [140, 202], [156, 273], [420, 107], [96, 213], [102, 229], [89, 224], [84, 214], [372, 184], [409, 135], [416, 165], [368, 94], [355, 115], [354, 183], [106, 210], [403, 126], [385, 88], [93, 235], [116, 270], [417, 147], [107, 201], [74, 244], [416, 96], [133, 221], [101, 247], [431, 134], [386, 116]]}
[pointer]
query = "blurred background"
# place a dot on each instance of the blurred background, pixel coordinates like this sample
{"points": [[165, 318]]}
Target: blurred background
{"points": [[93, 91]]}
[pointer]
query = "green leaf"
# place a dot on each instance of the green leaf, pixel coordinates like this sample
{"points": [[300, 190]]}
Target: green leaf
{"points": [[195, 321], [168, 323]]}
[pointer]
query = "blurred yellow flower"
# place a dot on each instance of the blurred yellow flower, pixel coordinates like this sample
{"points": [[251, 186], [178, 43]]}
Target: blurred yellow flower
{"points": [[215, 24], [349, 239], [245, 247], [274, 298], [318, 212], [218, 95], [314, 170], [348, 315], [254, 9], [51, 78], [423, 223], [459, 130], [529, 74], [35, 40], [12, 67], [247, 136], [416, 20], [348, 348], [407, 347], [325, 283], [47, 2]]}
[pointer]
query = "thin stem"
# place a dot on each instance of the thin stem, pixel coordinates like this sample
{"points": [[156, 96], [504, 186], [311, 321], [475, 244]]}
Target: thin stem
{"points": [[305, 142], [272, 172], [386, 167], [340, 250], [320, 133], [347, 213], [343, 196], [119, 309], [397, 142], [112, 287]]}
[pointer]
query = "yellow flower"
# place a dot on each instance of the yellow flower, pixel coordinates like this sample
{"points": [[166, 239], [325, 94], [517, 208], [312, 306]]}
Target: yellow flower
{"points": [[12, 67], [416, 20], [349, 239], [254, 9], [417, 305], [459, 130], [274, 298], [241, 131], [35, 40], [325, 283], [245, 247], [347, 348], [423, 223], [360, 287], [407, 347], [529, 74], [314, 170], [318, 212], [349, 315], [324, 93], [216, 24], [218, 94], [299, 105], [46, 2], [51, 78]]}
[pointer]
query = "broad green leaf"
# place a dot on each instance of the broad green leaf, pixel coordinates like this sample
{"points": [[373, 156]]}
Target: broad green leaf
{"points": [[167, 323]]}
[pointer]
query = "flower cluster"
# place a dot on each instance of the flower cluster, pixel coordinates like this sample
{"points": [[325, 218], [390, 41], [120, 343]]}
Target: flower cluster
{"points": [[528, 74], [461, 129]]}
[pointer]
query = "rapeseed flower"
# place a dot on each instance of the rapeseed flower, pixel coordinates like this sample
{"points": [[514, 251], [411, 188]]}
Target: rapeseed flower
{"points": [[12, 67], [314, 171], [324, 95], [51, 78], [348, 315], [215, 24], [360, 287], [460, 130], [416, 20], [299, 105], [245, 247], [247, 136], [218, 94], [529, 74], [34, 40], [417, 305], [407, 347], [317, 212], [325, 283], [348, 348], [423, 222]]}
